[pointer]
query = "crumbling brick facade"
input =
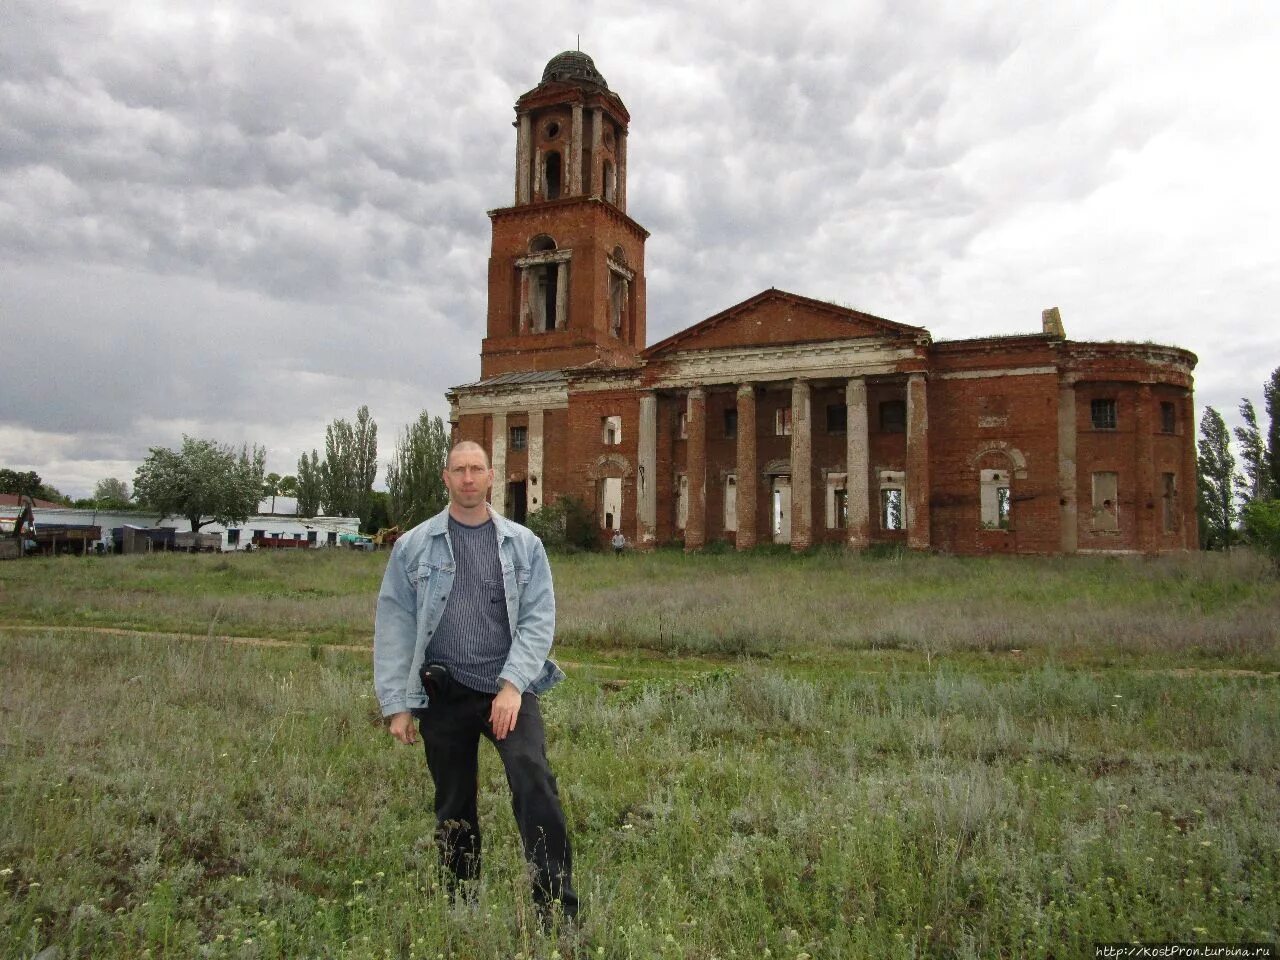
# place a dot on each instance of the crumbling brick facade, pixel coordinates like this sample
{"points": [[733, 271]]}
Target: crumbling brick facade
{"points": [[790, 420]]}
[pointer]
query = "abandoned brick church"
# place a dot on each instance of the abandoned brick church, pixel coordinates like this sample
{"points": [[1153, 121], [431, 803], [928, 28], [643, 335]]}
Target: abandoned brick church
{"points": [[785, 419]]}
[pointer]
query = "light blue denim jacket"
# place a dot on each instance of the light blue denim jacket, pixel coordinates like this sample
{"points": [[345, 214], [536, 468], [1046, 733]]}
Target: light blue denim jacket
{"points": [[415, 588]]}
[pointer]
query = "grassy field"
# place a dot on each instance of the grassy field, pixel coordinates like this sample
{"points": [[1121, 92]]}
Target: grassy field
{"points": [[759, 756]]}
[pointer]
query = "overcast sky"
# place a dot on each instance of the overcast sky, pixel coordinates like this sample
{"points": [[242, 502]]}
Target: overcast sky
{"points": [[240, 220]]}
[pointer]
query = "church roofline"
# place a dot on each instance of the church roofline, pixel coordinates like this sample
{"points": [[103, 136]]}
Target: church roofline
{"points": [[847, 313]]}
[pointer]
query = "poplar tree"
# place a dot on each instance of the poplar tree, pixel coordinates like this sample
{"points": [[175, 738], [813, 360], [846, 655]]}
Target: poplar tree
{"points": [[1217, 482], [1253, 455], [350, 466], [1271, 455], [414, 476], [310, 485]]}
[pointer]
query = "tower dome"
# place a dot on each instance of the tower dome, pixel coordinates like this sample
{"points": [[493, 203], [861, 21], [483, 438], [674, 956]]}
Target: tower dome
{"points": [[573, 66]]}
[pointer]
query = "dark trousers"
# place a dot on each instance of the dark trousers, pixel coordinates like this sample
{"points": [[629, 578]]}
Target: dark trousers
{"points": [[451, 729]]}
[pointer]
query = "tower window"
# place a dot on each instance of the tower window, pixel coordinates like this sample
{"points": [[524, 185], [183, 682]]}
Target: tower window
{"points": [[551, 175], [1168, 417], [541, 244], [553, 130], [546, 297], [618, 296], [610, 186]]}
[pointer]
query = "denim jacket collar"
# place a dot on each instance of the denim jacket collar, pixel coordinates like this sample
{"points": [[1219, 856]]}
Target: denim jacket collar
{"points": [[439, 524]]}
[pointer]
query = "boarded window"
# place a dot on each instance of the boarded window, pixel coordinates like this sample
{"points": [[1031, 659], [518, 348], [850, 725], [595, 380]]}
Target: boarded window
{"points": [[995, 499], [782, 422], [1102, 413], [682, 501], [730, 503], [1106, 507], [1169, 498], [893, 416]]}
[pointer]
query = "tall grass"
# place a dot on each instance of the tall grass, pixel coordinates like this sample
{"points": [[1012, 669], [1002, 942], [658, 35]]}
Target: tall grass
{"points": [[185, 798], [1181, 608]]}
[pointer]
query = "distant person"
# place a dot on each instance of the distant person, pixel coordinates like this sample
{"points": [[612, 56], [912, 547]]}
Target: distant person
{"points": [[466, 615], [619, 543]]}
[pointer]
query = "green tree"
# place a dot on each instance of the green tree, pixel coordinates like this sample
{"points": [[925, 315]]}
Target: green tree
{"points": [[288, 485], [205, 482], [379, 511], [1253, 454], [1217, 482], [414, 477], [271, 488], [310, 485], [111, 494], [350, 466], [1262, 527], [25, 483], [1271, 456]]}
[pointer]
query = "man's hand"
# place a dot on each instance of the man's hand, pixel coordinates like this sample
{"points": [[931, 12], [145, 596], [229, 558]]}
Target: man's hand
{"points": [[402, 727], [505, 710]]}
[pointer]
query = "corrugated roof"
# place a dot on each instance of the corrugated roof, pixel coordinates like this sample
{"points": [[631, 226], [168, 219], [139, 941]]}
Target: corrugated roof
{"points": [[505, 379]]}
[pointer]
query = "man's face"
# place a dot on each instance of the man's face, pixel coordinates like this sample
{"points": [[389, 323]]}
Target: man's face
{"points": [[467, 478]]}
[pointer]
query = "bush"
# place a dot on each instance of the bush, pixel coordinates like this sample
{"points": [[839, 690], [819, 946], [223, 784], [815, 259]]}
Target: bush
{"points": [[1262, 527], [565, 526]]}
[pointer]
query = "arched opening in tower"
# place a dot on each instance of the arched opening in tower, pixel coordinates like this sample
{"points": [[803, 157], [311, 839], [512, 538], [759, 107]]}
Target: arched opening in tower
{"points": [[551, 175]]}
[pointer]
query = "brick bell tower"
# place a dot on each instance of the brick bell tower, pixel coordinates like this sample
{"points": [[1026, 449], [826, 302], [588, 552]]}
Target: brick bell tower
{"points": [[566, 269]]}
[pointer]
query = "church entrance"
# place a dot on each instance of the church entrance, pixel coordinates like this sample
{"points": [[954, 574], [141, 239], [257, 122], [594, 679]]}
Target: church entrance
{"points": [[781, 510], [517, 501]]}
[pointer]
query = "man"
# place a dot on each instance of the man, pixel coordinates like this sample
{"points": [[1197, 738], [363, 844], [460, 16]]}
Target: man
{"points": [[465, 620], [619, 542]]}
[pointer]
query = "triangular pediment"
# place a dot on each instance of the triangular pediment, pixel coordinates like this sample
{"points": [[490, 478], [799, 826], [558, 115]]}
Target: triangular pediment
{"points": [[774, 318]]}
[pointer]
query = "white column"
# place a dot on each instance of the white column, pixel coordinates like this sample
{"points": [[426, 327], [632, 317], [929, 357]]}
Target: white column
{"points": [[597, 137], [524, 146], [647, 478], [562, 295], [801, 467], [535, 485], [857, 463], [499, 495], [621, 193], [575, 152]]}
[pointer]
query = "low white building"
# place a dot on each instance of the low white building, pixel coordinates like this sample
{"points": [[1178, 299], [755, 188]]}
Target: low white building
{"points": [[314, 531]]}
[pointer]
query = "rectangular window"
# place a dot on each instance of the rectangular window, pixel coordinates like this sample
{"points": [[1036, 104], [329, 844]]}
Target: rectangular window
{"points": [[311, 536], [995, 499], [331, 537], [730, 504], [682, 501], [891, 513], [893, 500], [611, 431], [1169, 491], [893, 416], [259, 534], [1168, 417], [782, 422], [730, 424], [683, 425], [837, 417], [519, 437], [1106, 509], [233, 536], [1102, 413], [837, 501]]}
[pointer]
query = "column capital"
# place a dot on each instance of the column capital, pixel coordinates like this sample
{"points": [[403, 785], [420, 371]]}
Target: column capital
{"points": [[746, 389], [697, 393]]}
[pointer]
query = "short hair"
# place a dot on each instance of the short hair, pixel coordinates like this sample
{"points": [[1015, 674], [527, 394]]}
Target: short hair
{"points": [[467, 445]]}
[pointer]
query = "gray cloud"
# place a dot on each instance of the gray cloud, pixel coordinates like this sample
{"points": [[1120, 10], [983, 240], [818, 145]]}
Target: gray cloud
{"points": [[247, 220]]}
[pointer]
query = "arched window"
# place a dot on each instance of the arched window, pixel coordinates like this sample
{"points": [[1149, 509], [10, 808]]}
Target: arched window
{"points": [[541, 244], [551, 175]]}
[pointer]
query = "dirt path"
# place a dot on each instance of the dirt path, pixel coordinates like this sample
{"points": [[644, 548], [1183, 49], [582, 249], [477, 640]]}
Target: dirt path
{"points": [[1183, 672]]}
